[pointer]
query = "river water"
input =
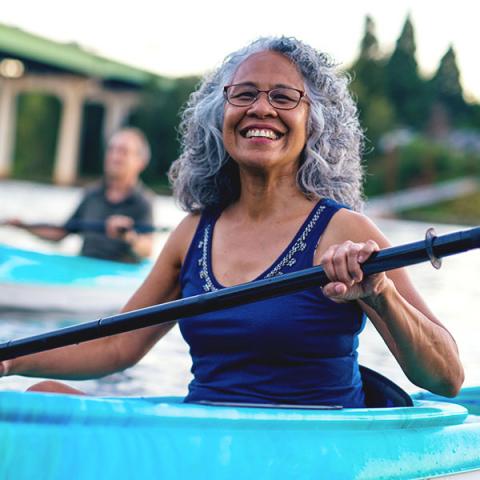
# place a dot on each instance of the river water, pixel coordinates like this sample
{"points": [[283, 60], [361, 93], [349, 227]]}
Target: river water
{"points": [[451, 292]]}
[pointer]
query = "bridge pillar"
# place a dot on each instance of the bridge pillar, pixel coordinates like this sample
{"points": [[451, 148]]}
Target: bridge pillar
{"points": [[8, 110], [66, 161]]}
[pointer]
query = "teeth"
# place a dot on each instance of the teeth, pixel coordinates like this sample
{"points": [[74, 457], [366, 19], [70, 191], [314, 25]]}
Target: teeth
{"points": [[255, 132]]}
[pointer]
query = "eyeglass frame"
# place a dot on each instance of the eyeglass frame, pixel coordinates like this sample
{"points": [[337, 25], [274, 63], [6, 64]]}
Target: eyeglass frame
{"points": [[267, 92]]}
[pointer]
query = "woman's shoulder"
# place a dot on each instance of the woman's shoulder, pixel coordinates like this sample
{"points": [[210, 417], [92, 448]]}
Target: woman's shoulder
{"points": [[347, 225], [181, 237], [186, 227]]}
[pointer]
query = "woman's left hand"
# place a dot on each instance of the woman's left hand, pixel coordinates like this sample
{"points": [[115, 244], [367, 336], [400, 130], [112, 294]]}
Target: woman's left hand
{"points": [[342, 264]]}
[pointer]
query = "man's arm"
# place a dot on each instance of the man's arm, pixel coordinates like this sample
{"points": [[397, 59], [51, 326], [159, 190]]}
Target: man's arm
{"points": [[50, 232]]}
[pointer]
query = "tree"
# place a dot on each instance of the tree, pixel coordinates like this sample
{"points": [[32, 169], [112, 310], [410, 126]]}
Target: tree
{"points": [[36, 135], [368, 68], [446, 88], [369, 87], [405, 87], [369, 47], [158, 117]]}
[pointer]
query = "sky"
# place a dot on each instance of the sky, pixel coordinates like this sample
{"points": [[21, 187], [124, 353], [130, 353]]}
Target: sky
{"points": [[181, 37]]}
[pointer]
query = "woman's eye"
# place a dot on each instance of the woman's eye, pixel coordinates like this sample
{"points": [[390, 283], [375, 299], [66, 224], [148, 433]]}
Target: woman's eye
{"points": [[281, 98], [246, 95]]}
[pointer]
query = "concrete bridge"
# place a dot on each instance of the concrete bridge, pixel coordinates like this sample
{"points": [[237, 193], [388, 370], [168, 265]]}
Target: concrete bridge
{"points": [[31, 63]]}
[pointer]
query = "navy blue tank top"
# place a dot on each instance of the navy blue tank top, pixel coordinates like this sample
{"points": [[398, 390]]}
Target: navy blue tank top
{"points": [[300, 348]]}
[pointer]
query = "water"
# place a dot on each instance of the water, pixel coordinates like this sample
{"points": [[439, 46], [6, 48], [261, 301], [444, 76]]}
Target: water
{"points": [[452, 293]]}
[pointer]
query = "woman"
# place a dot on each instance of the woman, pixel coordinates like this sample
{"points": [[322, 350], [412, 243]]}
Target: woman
{"points": [[270, 173]]}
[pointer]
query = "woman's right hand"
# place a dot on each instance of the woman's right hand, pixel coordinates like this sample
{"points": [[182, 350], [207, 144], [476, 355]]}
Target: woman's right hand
{"points": [[342, 264]]}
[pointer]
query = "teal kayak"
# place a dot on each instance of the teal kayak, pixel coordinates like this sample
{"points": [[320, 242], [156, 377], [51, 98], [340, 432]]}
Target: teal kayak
{"points": [[43, 281], [52, 436]]}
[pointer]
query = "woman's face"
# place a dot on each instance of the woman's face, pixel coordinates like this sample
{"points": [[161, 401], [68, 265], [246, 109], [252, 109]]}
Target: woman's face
{"points": [[260, 136]]}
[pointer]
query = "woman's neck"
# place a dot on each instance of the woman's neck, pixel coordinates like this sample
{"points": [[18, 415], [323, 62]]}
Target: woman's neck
{"points": [[262, 197]]}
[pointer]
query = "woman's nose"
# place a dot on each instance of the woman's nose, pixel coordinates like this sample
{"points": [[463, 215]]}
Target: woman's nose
{"points": [[261, 106]]}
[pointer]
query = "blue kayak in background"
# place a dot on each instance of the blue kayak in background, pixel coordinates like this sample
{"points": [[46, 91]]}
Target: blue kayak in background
{"points": [[44, 281], [52, 436]]}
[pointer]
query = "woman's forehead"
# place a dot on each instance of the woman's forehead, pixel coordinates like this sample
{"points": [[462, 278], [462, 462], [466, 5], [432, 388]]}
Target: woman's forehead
{"points": [[268, 67]]}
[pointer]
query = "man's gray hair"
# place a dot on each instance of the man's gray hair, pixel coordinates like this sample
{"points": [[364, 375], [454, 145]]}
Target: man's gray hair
{"points": [[205, 175]]}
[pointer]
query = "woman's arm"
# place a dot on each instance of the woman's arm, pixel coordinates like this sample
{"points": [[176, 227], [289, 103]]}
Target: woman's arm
{"points": [[423, 347], [101, 357]]}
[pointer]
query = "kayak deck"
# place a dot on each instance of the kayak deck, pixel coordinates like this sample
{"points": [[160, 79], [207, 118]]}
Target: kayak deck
{"points": [[40, 281], [165, 438]]}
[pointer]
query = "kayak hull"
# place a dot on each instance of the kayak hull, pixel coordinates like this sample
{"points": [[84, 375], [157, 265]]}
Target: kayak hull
{"points": [[40, 281], [64, 436]]}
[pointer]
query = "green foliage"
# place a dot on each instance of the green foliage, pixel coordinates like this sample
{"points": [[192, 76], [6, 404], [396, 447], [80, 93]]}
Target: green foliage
{"points": [[413, 101], [387, 86], [463, 210], [423, 161], [91, 140], [474, 115], [420, 162], [38, 119], [405, 87], [379, 116], [368, 86], [369, 47], [446, 90], [390, 93], [158, 116]]}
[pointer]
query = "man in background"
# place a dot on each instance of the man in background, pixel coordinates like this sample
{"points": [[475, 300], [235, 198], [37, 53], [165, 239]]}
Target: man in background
{"points": [[118, 202]]}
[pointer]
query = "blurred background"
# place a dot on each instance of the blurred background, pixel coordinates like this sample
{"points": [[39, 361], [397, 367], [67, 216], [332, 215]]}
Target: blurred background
{"points": [[71, 74]]}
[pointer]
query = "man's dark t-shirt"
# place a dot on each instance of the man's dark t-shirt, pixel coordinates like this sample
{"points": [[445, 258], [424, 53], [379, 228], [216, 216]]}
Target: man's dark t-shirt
{"points": [[95, 207]]}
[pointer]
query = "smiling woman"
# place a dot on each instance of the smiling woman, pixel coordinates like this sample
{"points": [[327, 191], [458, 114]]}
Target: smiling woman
{"points": [[270, 173], [256, 132], [330, 165]]}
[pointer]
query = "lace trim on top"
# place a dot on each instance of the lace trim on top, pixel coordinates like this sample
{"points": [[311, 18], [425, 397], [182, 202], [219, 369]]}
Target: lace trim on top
{"points": [[287, 260], [208, 285]]}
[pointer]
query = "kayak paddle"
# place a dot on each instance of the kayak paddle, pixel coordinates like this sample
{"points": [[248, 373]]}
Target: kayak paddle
{"points": [[432, 248], [77, 226]]}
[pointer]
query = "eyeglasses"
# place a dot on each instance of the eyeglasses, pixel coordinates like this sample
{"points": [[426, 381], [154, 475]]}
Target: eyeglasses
{"points": [[243, 95]]}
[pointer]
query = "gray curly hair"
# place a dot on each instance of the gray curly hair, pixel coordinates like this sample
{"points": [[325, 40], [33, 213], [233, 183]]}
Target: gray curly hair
{"points": [[205, 175]]}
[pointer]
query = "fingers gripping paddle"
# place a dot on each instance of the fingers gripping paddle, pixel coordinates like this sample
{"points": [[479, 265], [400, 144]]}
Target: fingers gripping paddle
{"points": [[432, 248]]}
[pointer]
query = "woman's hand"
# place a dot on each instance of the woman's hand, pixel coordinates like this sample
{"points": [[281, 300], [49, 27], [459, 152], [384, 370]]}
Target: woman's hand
{"points": [[342, 264]]}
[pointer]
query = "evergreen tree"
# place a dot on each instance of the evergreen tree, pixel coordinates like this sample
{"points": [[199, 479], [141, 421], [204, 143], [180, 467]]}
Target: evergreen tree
{"points": [[446, 88], [405, 87], [368, 69], [369, 48], [368, 87]]}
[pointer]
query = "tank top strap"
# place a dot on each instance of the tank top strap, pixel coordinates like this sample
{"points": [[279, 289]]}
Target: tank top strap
{"points": [[207, 219], [327, 209]]}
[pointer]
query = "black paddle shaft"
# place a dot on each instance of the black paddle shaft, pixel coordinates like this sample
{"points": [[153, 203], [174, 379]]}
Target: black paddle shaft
{"points": [[432, 248], [97, 226]]}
